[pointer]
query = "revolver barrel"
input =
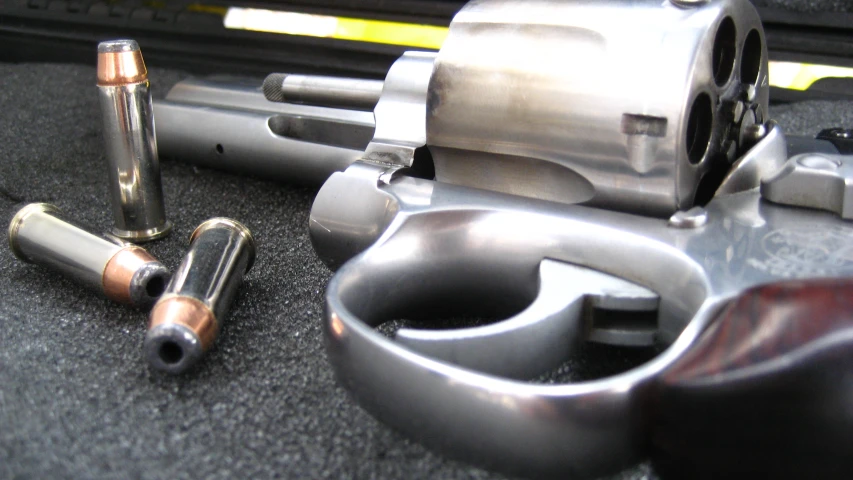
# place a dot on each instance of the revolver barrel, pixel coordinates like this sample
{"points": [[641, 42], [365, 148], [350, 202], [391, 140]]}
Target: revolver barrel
{"points": [[231, 126], [185, 321], [122, 272]]}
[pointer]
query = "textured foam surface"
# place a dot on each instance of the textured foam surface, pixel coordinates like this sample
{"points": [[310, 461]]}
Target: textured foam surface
{"points": [[809, 118], [77, 399], [807, 6]]}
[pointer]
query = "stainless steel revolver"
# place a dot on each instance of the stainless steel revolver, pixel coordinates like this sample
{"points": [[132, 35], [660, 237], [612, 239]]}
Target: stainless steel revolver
{"points": [[556, 161]]}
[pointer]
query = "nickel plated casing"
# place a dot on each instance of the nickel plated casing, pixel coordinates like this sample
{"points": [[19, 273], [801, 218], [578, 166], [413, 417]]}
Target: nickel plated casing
{"points": [[633, 106], [134, 168], [122, 272], [186, 320]]}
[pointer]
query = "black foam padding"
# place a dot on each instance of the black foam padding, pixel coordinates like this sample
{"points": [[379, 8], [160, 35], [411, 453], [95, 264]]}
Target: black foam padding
{"points": [[807, 6], [809, 118], [77, 399]]}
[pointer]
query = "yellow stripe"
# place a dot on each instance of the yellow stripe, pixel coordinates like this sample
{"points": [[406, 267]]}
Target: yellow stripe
{"points": [[801, 76], [343, 28], [795, 76], [394, 33], [198, 7]]}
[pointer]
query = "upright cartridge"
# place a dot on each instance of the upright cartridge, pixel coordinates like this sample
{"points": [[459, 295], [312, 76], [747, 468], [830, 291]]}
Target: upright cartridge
{"points": [[137, 194]]}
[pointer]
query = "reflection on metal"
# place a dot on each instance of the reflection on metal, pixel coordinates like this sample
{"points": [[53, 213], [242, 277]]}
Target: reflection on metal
{"points": [[814, 180]]}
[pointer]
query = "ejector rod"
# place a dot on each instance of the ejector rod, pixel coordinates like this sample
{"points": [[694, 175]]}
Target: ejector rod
{"points": [[323, 91]]}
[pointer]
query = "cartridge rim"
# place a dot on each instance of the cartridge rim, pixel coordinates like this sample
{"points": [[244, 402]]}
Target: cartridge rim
{"points": [[19, 218], [139, 236], [230, 224]]}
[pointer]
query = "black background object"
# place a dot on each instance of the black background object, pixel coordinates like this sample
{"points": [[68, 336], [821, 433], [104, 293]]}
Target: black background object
{"points": [[188, 34]]}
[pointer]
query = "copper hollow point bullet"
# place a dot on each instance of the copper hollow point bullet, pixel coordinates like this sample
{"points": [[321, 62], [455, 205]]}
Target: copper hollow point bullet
{"points": [[131, 148], [122, 272], [186, 320]]}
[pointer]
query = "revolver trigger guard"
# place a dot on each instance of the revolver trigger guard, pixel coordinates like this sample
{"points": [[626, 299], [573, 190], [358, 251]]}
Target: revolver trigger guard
{"points": [[588, 428], [477, 249]]}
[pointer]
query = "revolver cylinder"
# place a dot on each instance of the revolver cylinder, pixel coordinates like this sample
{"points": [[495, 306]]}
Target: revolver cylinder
{"points": [[122, 272], [626, 105], [137, 194], [185, 321]]}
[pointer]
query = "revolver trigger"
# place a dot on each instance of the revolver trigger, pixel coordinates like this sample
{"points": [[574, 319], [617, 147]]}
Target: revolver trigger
{"points": [[548, 331]]}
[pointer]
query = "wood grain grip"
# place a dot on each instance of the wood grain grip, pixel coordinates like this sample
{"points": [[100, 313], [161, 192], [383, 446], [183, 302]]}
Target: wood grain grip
{"points": [[767, 391]]}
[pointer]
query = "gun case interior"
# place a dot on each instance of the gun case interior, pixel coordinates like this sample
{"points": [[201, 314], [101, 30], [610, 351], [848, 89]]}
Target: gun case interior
{"points": [[77, 399]]}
